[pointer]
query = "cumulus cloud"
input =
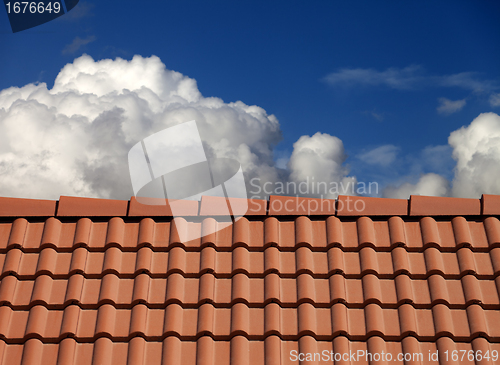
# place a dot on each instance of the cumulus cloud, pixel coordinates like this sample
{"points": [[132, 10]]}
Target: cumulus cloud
{"points": [[447, 106], [74, 139], [476, 149], [320, 156], [381, 156], [428, 184], [77, 43]]}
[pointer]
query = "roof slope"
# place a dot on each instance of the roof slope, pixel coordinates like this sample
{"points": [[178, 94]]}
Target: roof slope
{"points": [[115, 285]]}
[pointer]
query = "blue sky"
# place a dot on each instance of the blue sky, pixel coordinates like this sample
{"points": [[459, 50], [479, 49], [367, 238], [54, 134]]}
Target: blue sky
{"points": [[390, 79]]}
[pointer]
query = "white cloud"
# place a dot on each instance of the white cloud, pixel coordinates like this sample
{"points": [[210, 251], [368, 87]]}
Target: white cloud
{"points": [[77, 43], [74, 138], [476, 149], [428, 184], [408, 78], [320, 156], [495, 100], [447, 106], [382, 156]]}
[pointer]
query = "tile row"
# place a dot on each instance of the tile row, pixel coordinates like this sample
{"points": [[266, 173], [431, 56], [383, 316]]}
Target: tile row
{"points": [[350, 233], [255, 323], [256, 292], [241, 351], [277, 205], [418, 265]]}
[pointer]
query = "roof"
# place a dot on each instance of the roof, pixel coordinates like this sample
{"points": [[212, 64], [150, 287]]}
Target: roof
{"points": [[90, 281]]}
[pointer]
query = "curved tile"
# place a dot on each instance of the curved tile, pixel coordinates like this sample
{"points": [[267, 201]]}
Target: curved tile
{"points": [[51, 232], [430, 233], [366, 232], [18, 232], [461, 231], [397, 231], [241, 232], [492, 228], [303, 232]]}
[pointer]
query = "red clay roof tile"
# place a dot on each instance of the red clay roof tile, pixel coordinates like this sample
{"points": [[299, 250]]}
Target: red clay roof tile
{"points": [[70, 206], [436, 206], [366, 206], [15, 207], [120, 291], [490, 204], [156, 208], [217, 206], [292, 205]]}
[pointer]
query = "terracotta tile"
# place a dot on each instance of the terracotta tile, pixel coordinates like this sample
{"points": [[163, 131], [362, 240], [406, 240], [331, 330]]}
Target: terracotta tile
{"points": [[88, 207], [18, 232], [82, 233], [234, 292], [250, 234], [476, 321], [407, 320], [438, 289], [492, 228], [286, 234], [334, 231], [12, 261], [427, 205], [162, 208], [218, 206], [366, 232], [461, 231], [489, 292], [214, 206], [272, 288], [290, 205], [28, 264], [443, 320], [240, 260], [374, 319], [16, 207], [366, 206], [33, 237], [368, 260], [303, 231], [484, 264], [446, 235], [490, 204], [478, 234], [356, 322], [5, 229], [98, 235], [421, 292], [255, 206], [350, 235], [51, 232]]}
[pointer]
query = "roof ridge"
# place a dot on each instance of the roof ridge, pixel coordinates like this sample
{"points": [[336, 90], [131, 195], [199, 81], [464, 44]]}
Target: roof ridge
{"points": [[344, 205]]}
